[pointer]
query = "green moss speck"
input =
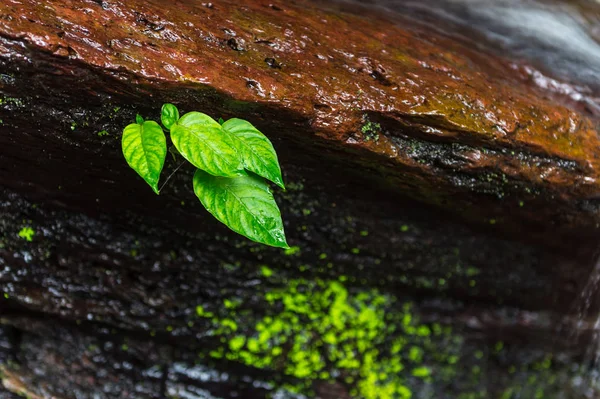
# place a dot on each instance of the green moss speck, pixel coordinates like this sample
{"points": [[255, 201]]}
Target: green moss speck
{"points": [[27, 233], [294, 250], [266, 271], [201, 313], [370, 130], [17, 102], [421, 372]]}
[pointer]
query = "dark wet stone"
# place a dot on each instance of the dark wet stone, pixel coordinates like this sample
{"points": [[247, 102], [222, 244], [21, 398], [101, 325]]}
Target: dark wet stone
{"points": [[424, 181], [434, 93], [273, 63]]}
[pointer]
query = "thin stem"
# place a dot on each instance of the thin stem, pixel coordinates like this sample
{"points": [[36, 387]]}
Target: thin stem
{"points": [[171, 175]]}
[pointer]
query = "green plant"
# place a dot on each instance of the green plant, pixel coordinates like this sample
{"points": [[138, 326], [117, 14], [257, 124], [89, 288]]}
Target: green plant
{"points": [[370, 130], [232, 158]]}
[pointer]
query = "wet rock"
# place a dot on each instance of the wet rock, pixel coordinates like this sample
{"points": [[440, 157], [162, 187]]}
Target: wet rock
{"points": [[432, 94], [435, 201]]}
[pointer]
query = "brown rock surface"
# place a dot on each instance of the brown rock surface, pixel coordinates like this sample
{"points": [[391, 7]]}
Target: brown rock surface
{"points": [[417, 168]]}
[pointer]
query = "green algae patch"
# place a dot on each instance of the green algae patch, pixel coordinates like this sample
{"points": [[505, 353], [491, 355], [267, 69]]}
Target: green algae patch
{"points": [[315, 329]]}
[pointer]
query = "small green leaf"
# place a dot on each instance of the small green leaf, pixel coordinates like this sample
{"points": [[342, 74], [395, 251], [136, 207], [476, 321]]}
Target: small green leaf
{"points": [[169, 114], [138, 119], [145, 148], [244, 204], [221, 121], [258, 154], [201, 140]]}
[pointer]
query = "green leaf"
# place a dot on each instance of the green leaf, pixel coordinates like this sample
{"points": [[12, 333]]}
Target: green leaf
{"points": [[138, 119], [201, 140], [258, 154], [169, 114], [145, 148], [221, 121], [244, 204]]}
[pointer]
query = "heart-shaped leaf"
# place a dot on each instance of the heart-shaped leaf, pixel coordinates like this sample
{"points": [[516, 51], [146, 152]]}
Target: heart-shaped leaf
{"points": [[201, 140], [145, 148], [244, 204], [169, 114], [258, 154]]}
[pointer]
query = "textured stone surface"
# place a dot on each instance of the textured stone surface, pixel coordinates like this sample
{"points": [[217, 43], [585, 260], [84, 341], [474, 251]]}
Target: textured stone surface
{"points": [[451, 123], [424, 179]]}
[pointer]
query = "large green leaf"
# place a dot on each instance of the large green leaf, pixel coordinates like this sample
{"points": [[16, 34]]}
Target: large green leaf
{"points": [[201, 140], [245, 204], [145, 148], [258, 154]]}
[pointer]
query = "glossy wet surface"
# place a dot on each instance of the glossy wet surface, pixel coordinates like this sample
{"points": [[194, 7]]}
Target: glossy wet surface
{"points": [[556, 43], [441, 203]]}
